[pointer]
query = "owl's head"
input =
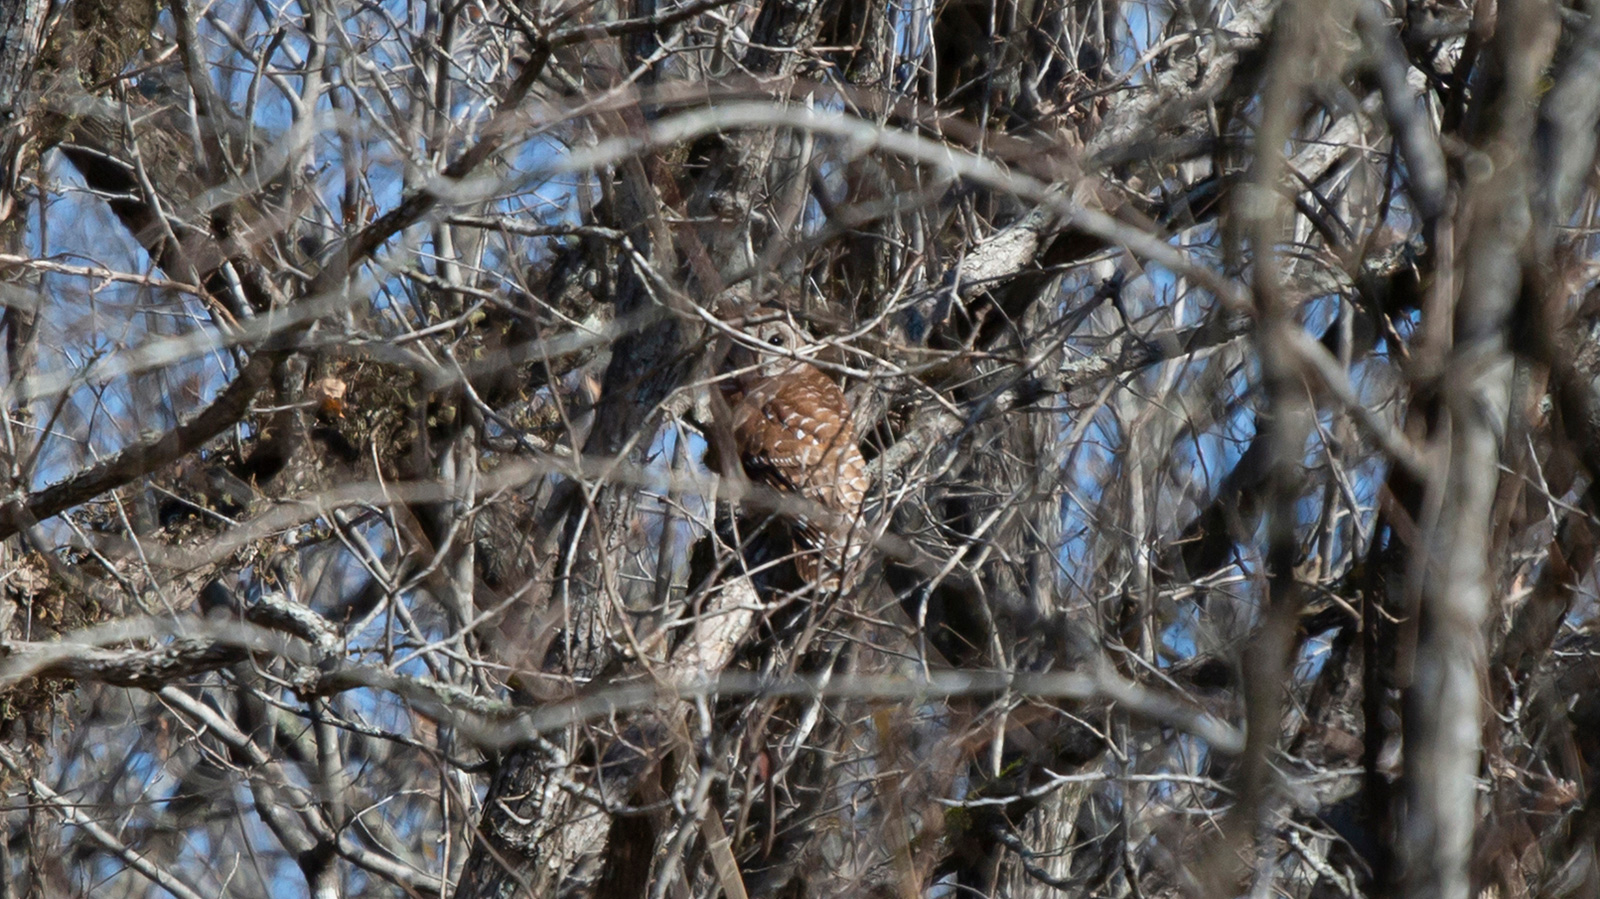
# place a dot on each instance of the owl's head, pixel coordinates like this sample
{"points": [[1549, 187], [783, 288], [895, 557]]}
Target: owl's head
{"points": [[769, 351]]}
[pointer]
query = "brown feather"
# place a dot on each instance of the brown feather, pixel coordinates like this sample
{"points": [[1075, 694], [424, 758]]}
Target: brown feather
{"points": [[794, 434]]}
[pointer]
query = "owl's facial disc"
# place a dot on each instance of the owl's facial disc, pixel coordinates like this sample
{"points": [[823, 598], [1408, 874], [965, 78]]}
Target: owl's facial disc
{"points": [[779, 342]]}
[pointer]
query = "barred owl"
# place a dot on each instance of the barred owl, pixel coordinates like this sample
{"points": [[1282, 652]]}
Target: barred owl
{"points": [[791, 426]]}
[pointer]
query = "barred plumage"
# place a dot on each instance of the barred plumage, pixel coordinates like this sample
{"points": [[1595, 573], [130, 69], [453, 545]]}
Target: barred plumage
{"points": [[793, 431]]}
